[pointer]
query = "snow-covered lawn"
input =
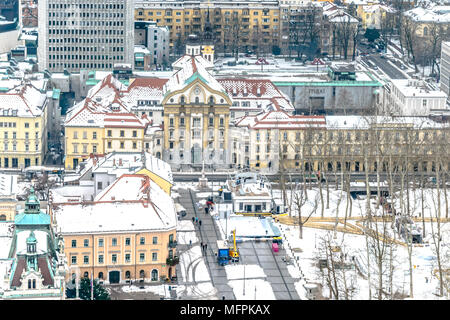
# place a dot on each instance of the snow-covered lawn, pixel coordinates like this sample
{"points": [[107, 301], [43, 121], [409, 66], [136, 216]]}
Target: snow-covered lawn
{"points": [[255, 289], [237, 271], [185, 225], [185, 237], [162, 290], [308, 251]]}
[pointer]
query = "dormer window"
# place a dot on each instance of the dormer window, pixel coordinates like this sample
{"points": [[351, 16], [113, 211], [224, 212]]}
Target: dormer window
{"points": [[182, 100], [211, 100]]}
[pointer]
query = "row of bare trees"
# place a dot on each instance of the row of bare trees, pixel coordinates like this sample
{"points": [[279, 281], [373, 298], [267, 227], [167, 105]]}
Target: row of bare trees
{"points": [[388, 223]]}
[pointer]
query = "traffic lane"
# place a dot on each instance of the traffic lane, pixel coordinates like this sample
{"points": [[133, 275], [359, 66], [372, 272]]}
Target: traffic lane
{"points": [[392, 71]]}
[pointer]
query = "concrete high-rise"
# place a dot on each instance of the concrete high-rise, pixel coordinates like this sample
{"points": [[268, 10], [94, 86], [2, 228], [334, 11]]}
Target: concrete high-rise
{"points": [[85, 34]]}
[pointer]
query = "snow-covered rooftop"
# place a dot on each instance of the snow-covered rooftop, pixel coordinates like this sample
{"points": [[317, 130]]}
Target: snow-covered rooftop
{"points": [[22, 101], [108, 214]]}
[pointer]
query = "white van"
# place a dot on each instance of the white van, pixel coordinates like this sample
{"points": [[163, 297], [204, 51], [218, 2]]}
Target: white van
{"points": [[181, 211]]}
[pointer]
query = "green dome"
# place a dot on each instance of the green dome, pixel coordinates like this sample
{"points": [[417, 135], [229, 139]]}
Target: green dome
{"points": [[31, 238], [32, 204]]}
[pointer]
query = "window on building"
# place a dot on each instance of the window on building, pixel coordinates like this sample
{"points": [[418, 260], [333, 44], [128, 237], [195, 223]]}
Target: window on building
{"points": [[114, 242], [100, 258], [142, 240], [86, 242], [155, 240], [142, 257], [127, 241], [114, 258], [74, 243], [74, 259], [127, 257], [100, 242], [154, 256], [86, 259]]}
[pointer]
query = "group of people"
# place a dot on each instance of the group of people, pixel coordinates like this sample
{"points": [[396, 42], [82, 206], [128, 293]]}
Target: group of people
{"points": [[196, 221], [204, 247]]}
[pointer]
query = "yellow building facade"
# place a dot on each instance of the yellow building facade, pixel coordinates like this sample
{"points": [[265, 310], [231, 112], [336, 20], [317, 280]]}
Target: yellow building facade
{"points": [[416, 144], [23, 128], [102, 123], [250, 24], [196, 116], [118, 257]]}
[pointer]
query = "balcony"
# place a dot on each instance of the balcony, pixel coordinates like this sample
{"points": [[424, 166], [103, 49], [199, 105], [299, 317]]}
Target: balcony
{"points": [[172, 244], [172, 261]]}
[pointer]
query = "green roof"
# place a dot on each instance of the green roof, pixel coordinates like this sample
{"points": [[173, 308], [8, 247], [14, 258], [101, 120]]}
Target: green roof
{"points": [[26, 219], [194, 77]]}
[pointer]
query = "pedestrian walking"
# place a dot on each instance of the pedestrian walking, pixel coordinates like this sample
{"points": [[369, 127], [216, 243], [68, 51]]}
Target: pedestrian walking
{"points": [[206, 210], [206, 247], [196, 219], [193, 219], [190, 243], [201, 245], [200, 222]]}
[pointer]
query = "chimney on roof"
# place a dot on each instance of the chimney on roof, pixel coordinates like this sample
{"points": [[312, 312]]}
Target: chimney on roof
{"points": [[258, 92], [245, 92], [114, 162], [120, 161]]}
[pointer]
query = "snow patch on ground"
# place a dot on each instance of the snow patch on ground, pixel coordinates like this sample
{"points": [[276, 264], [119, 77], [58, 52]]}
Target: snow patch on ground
{"points": [[255, 289], [237, 271], [185, 225], [185, 237]]}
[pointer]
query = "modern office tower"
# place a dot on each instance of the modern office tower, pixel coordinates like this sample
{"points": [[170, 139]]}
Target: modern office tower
{"points": [[85, 34]]}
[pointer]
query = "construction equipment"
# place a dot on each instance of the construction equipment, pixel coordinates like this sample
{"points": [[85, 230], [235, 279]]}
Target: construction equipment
{"points": [[223, 252], [234, 252]]}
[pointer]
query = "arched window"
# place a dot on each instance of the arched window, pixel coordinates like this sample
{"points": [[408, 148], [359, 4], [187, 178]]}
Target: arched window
{"points": [[74, 277], [211, 100], [197, 100], [29, 283], [154, 275], [127, 275], [100, 275], [142, 274], [425, 31], [182, 100], [2, 217], [158, 155]]}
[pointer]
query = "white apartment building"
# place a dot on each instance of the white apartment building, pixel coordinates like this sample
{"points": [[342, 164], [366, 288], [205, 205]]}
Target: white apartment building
{"points": [[411, 97], [158, 40], [85, 34], [445, 67]]}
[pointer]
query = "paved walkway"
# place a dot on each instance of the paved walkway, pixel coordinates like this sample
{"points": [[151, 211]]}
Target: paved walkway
{"points": [[251, 252]]}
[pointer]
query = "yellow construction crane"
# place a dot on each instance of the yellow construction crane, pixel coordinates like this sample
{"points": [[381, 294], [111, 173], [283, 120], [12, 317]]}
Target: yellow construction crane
{"points": [[234, 252]]}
